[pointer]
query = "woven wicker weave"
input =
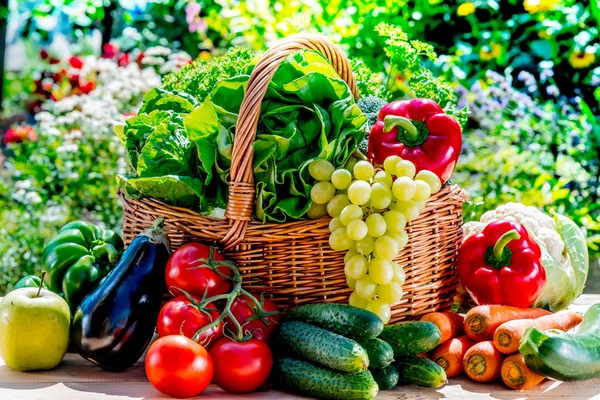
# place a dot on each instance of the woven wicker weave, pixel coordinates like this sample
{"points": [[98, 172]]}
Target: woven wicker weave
{"points": [[293, 261]]}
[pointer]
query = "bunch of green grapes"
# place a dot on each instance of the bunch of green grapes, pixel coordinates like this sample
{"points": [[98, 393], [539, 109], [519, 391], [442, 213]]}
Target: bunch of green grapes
{"points": [[370, 209]]}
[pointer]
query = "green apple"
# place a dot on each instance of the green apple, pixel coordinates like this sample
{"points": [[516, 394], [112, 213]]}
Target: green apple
{"points": [[34, 329]]}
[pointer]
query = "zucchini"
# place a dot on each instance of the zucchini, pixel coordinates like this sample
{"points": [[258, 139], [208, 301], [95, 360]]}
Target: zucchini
{"points": [[343, 319], [411, 338], [386, 378], [420, 371], [311, 380], [323, 347], [565, 356], [380, 353]]}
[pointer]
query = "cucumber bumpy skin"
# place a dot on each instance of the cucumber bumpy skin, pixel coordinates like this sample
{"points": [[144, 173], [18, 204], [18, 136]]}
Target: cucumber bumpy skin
{"points": [[343, 319], [308, 379], [411, 338], [323, 347], [380, 353], [420, 371], [386, 378]]}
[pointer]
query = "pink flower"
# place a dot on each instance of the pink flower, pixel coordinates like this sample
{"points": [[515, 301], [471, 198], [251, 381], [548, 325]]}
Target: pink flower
{"points": [[110, 50], [192, 10], [20, 134], [124, 60]]}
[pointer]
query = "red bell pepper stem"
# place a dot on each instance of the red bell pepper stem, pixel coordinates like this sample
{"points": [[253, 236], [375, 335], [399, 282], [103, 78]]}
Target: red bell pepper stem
{"points": [[503, 241], [392, 121]]}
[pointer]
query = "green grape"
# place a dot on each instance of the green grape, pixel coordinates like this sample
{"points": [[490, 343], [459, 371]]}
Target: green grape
{"points": [[365, 287], [395, 221], [335, 223], [421, 204], [376, 225], [381, 308], [390, 164], [381, 195], [422, 192], [337, 204], [409, 208], [356, 301], [351, 282], [431, 179], [322, 192], [381, 271], [399, 274], [359, 192], [405, 168], [404, 188], [356, 267], [316, 211], [400, 237], [321, 170], [363, 170], [386, 248], [384, 177], [350, 213], [357, 229], [365, 246], [390, 293], [349, 255], [339, 241], [341, 179]]}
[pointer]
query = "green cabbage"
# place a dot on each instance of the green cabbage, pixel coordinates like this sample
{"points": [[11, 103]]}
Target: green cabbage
{"points": [[565, 281], [180, 152]]}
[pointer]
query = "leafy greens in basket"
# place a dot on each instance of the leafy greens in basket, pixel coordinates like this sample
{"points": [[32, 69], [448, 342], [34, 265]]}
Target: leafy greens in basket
{"points": [[180, 151]]}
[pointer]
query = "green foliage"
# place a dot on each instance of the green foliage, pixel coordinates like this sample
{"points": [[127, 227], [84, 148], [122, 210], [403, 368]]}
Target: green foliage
{"points": [[199, 78]]}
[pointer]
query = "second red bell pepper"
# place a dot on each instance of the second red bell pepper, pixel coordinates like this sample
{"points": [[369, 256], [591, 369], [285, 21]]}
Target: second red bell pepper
{"points": [[502, 265], [419, 131]]}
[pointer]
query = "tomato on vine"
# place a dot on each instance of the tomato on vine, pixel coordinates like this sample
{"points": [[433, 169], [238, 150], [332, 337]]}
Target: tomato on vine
{"points": [[198, 269], [182, 315], [259, 319]]}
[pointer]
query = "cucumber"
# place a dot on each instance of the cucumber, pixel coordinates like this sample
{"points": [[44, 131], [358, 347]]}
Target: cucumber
{"points": [[565, 356], [343, 319], [411, 338], [380, 353], [323, 347], [386, 378], [420, 371], [308, 379]]}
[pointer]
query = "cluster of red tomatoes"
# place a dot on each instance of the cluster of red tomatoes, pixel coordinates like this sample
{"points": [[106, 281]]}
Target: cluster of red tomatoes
{"points": [[186, 357]]}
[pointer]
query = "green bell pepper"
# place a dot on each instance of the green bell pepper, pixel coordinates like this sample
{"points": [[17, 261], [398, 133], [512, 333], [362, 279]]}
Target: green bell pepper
{"points": [[78, 257], [30, 281]]}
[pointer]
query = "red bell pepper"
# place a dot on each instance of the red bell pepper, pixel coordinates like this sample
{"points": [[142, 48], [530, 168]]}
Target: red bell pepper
{"points": [[417, 130], [502, 265]]}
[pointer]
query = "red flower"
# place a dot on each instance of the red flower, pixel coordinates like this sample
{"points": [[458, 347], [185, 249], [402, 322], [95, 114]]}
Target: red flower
{"points": [[110, 50], [124, 60], [19, 134], [76, 62], [87, 87], [43, 54], [140, 58]]}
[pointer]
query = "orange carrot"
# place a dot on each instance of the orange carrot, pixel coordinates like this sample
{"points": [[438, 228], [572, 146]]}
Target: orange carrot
{"points": [[482, 362], [481, 322], [509, 334], [450, 355], [516, 374], [449, 323]]}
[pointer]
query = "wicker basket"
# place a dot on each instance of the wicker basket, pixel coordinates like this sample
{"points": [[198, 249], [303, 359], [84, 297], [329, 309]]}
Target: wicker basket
{"points": [[292, 261]]}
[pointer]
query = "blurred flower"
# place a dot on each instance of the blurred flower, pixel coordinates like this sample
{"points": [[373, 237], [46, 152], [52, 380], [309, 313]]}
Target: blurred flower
{"points": [[579, 59], [110, 50], [20, 134], [490, 52], [465, 9], [536, 6], [552, 90], [76, 62], [192, 17]]}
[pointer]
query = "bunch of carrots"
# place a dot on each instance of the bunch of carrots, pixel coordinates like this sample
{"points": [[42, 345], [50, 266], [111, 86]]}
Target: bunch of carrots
{"points": [[484, 343]]}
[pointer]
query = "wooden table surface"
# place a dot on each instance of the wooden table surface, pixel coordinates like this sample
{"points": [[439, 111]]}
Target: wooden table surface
{"points": [[76, 378]]}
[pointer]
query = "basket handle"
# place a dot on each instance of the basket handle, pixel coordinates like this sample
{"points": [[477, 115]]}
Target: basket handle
{"points": [[241, 186]]}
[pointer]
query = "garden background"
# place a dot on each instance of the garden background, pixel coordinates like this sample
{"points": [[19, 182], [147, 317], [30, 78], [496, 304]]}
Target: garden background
{"points": [[528, 70]]}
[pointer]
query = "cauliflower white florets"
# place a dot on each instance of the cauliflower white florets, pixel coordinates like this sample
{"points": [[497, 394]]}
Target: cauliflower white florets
{"points": [[538, 224]]}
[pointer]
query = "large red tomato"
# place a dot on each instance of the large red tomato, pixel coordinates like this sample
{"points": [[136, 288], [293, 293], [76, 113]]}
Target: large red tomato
{"points": [[178, 366], [181, 316], [261, 321], [185, 271], [241, 367]]}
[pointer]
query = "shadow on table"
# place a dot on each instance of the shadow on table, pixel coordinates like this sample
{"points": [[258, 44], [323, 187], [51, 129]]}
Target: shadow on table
{"points": [[547, 389]]}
